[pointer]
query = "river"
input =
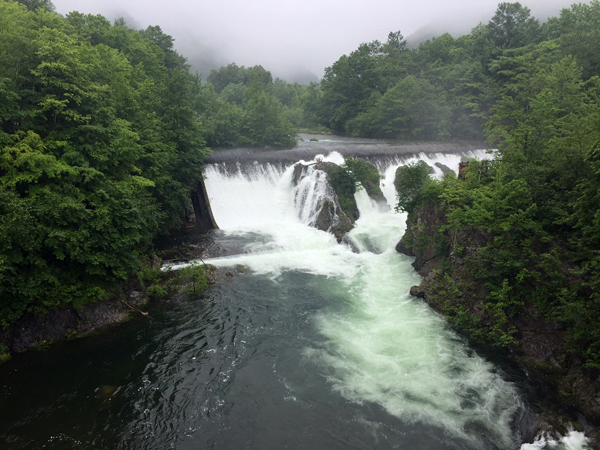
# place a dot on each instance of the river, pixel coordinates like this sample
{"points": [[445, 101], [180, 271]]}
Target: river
{"points": [[312, 345]]}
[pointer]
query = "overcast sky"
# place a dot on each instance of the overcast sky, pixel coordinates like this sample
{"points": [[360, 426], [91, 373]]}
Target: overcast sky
{"points": [[293, 38]]}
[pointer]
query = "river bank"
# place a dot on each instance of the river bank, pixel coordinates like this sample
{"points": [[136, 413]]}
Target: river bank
{"points": [[449, 287]]}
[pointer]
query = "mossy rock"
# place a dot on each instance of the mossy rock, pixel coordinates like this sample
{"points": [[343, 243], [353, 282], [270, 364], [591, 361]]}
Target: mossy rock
{"points": [[332, 219]]}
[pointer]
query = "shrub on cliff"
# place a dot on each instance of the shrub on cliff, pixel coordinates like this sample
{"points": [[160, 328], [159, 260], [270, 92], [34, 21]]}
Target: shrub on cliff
{"points": [[413, 186], [351, 176]]}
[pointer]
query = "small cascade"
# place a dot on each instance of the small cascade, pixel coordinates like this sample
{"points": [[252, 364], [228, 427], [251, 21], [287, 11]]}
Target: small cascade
{"points": [[310, 194]]}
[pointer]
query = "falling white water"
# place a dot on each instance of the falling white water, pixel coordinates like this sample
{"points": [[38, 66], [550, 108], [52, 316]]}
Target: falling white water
{"points": [[379, 344], [574, 440], [310, 194]]}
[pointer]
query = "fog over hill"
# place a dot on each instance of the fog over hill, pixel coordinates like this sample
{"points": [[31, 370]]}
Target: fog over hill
{"points": [[294, 39]]}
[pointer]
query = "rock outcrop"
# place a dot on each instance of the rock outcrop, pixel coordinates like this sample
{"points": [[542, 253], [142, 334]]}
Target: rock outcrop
{"points": [[373, 188], [444, 168], [328, 215], [34, 330], [332, 219]]}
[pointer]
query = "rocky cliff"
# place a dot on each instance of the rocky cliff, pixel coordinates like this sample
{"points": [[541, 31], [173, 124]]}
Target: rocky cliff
{"points": [[335, 209], [34, 330], [329, 215]]}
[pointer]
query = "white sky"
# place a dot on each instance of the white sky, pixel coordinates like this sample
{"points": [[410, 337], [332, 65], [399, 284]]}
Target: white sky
{"points": [[290, 37]]}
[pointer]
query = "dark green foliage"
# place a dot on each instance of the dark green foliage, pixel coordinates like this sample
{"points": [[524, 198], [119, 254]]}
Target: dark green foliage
{"points": [[361, 171], [99, 147], [386, 90], [263, 122], [577, 31], [351, 176], [410, 185], [347, 85], [33, 5], [367, 175], [195, 276], [345, 185], [411, 109], [192, 279], [232, 74], [447, 87], [512, 26], [244, 107]]}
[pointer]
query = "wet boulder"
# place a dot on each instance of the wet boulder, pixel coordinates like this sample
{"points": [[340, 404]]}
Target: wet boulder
{"points": [[444, 168], [318, 202], [299, 173], [333, 219], [301, 170]]}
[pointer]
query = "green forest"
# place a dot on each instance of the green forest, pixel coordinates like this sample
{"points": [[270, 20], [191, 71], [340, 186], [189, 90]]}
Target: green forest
{"points": [[100, 143], [103, 130]]}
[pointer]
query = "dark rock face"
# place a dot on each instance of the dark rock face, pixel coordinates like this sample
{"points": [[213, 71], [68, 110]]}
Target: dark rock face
{"points": [[539, 345], [299, 173], [32, 330], [402, 248], [330, 216], [332, 219], [200, 215], [326, 167], [414, 243], [416, 291], [444, 168]]}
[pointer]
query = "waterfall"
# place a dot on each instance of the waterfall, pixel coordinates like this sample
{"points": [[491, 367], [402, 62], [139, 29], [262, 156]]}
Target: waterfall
{"points": [[310, 194], [379, 345]]}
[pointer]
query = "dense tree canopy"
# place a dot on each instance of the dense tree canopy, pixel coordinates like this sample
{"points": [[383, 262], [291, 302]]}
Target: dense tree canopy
{"points": [[453, 82], [99, 147], [512, 26]]}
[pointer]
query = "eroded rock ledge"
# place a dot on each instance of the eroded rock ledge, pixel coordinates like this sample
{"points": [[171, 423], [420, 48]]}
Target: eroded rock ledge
{"points": [[334, 207], [34, 330]]}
